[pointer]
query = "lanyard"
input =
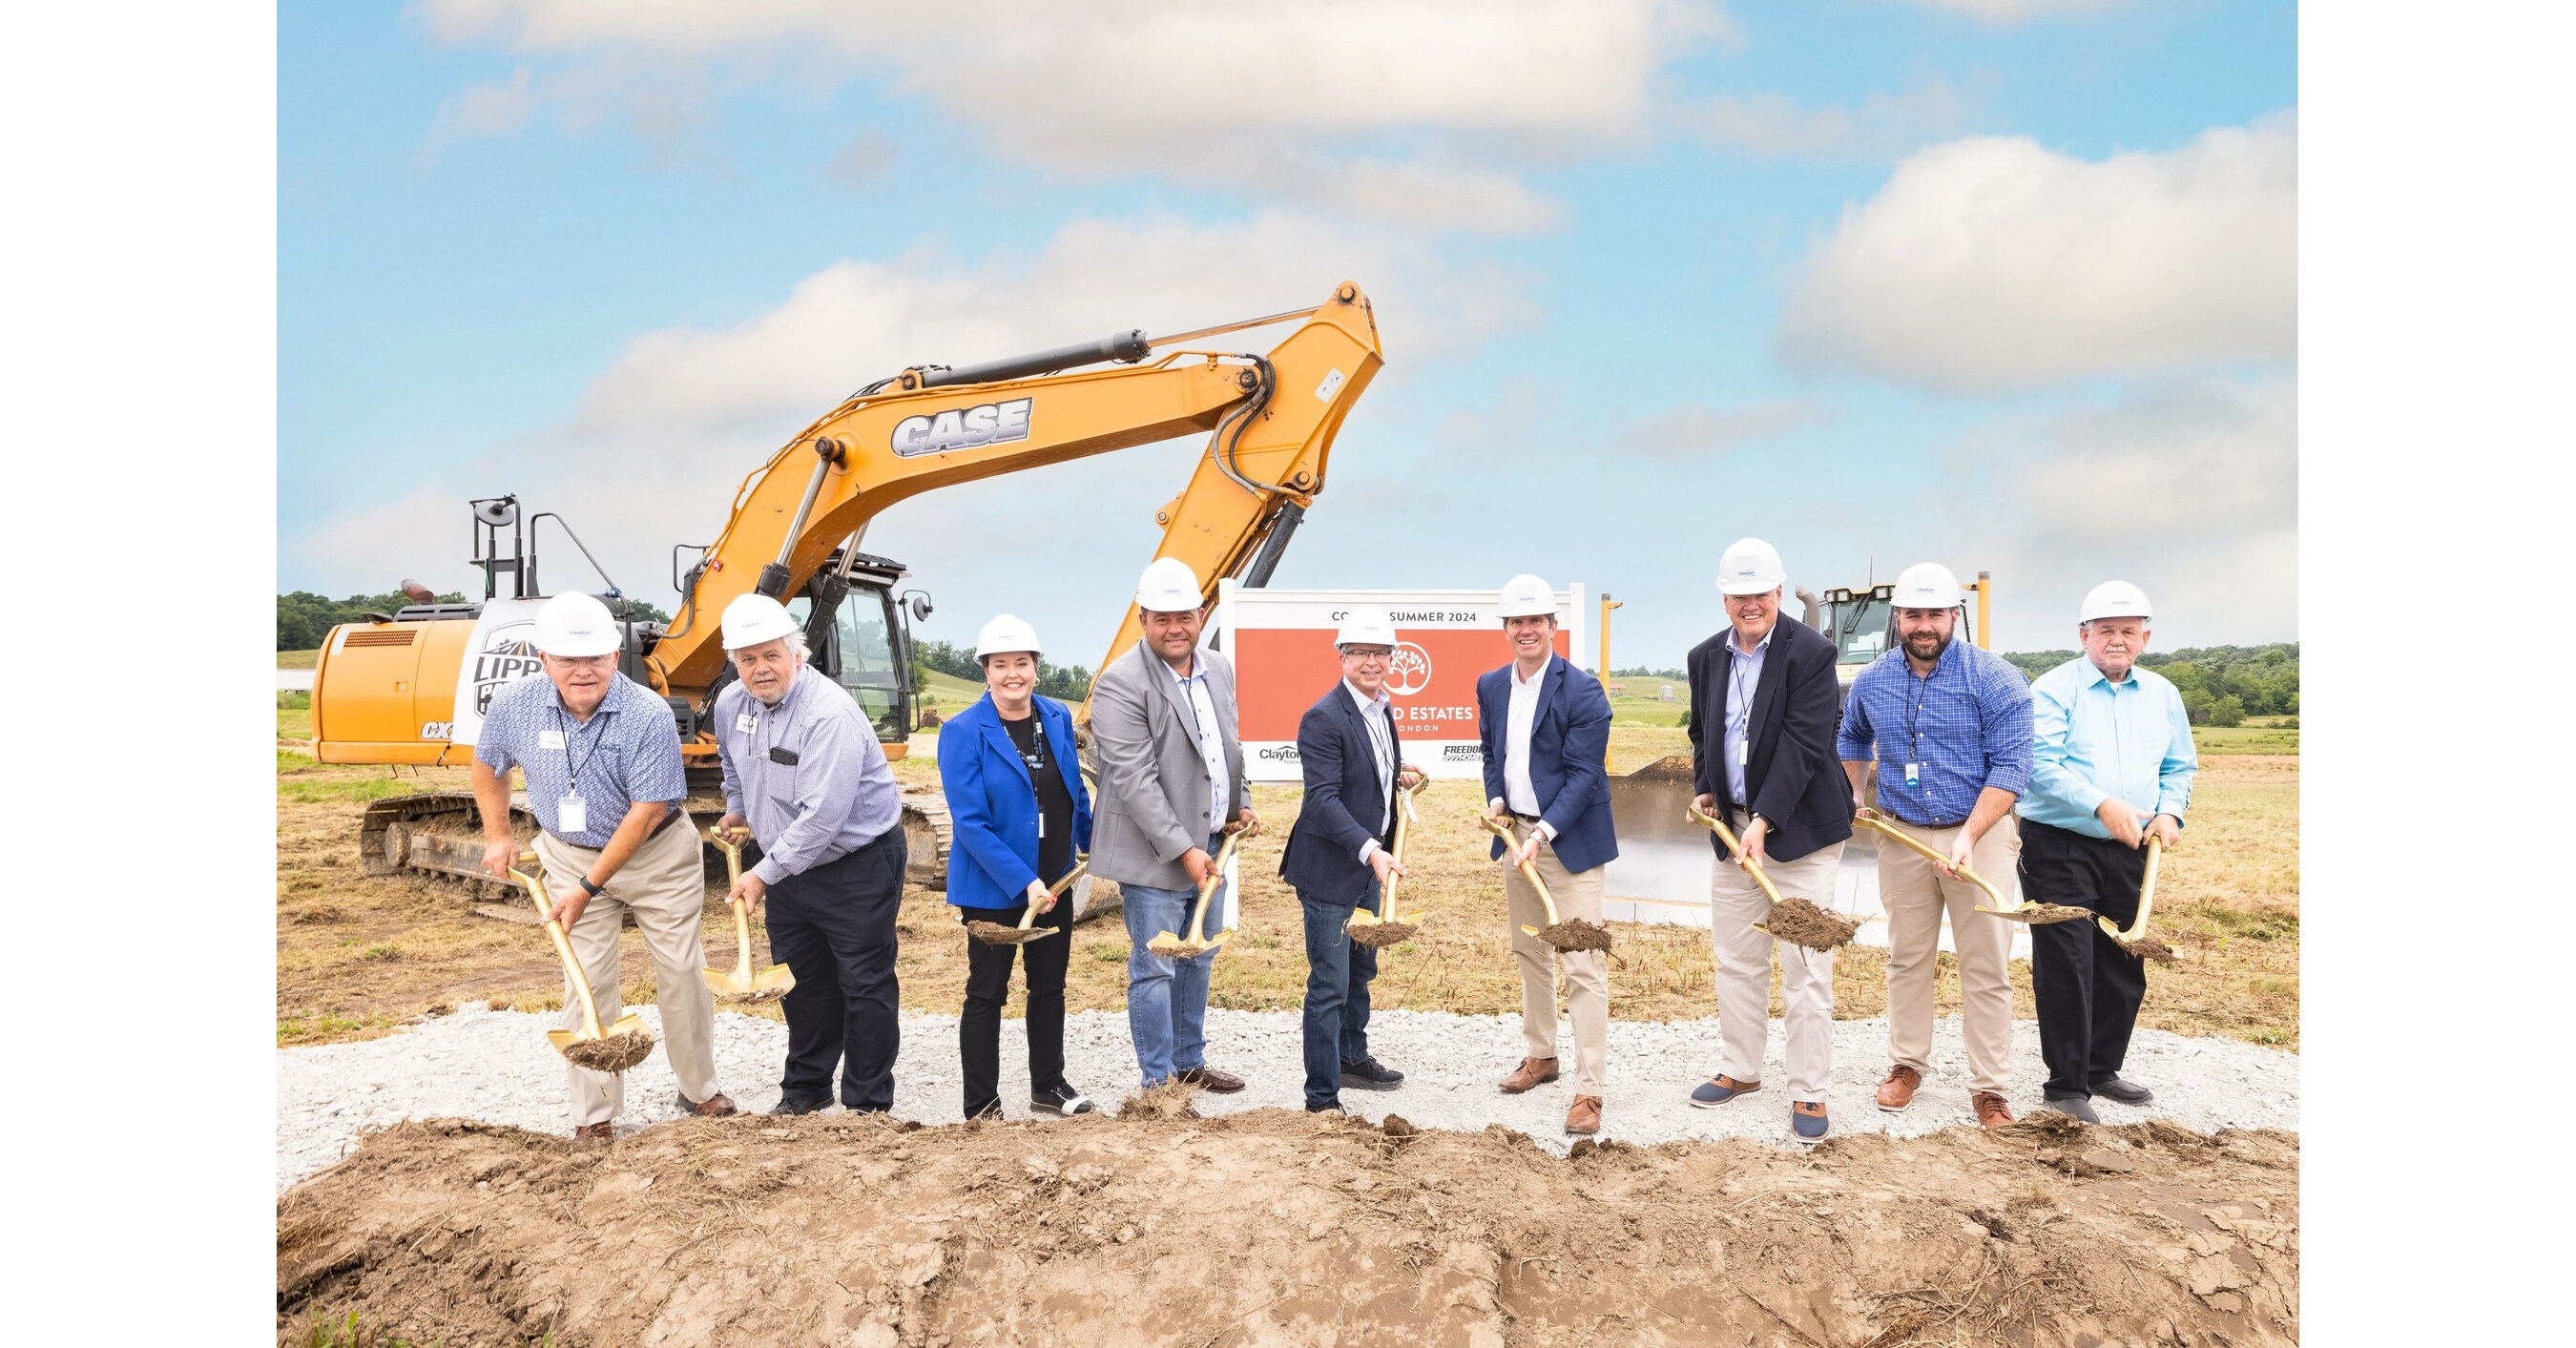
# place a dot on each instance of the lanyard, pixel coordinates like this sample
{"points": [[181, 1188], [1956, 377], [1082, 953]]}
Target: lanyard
{"points": [[1913, 705], [1744, 699], [571, 733]]}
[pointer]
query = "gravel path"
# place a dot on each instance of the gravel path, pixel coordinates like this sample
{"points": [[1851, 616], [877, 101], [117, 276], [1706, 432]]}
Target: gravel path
{"points": [[497, 1066]]}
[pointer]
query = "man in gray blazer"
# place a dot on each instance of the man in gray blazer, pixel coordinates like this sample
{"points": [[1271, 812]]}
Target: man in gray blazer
{"points": [[1171, 779]]}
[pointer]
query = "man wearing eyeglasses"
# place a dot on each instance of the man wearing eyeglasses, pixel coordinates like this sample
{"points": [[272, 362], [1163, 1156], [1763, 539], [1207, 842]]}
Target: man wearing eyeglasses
{"points": [[1337, 857], [602, 758], [1763, 717]]}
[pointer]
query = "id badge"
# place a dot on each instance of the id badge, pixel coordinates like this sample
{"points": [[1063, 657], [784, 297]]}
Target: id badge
{"points": [[1914, 774], [746, 723], [1744, 753], [550, 739], [570, 817]]}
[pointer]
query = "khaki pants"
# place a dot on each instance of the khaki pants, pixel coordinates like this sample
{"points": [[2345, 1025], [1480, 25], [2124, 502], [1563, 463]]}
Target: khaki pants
{"points": [[1735, 903], [665, 886], [1587, 972], [1916, 893]]}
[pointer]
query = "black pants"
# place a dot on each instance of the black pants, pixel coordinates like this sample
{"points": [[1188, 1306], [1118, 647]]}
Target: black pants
{"points": [[833, 927], [2087, 988], [988, 985]]}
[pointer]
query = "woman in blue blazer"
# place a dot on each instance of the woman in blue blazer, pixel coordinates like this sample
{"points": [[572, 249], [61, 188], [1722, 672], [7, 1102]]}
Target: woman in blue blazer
{"points": [[1020, 817]]}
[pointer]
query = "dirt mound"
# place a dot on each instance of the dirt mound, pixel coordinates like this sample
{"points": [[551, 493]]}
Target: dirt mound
{"points": [[1280, 1227], [1576, 934], [1674, 768], [1800, 922]]}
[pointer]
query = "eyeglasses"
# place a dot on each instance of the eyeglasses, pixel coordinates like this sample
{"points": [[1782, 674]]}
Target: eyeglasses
{"points": [[1366, 657]]}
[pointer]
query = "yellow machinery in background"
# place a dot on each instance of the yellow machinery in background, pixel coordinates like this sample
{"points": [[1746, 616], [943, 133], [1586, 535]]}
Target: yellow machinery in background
{"points": [[409, 687]]}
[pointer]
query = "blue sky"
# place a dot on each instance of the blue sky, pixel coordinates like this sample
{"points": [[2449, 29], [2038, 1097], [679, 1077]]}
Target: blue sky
{"points": [[2009, 284]]}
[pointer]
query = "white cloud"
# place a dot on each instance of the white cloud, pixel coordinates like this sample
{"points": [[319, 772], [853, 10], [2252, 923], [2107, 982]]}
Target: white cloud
{"points": [[665, 433], [864, 160], [2188, 489], [1698, 429], [1882, 124], [2005, 13], [1991, 263], [1368, 105]]}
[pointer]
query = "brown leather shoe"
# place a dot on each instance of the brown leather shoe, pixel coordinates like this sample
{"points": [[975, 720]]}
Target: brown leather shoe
{"points": [[1895, 1093], [1585, 1117], [1210, 1079], [1991, 1112], [1531, 1072], [716, 1106], [595, 1132]]}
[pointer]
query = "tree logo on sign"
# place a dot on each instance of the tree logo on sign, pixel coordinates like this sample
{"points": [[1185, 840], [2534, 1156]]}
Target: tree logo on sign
{"points": [[1409, 671]]}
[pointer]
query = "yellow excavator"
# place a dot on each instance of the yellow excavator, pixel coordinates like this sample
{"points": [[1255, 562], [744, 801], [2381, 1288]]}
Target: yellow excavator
{"points": [[411, 686]]}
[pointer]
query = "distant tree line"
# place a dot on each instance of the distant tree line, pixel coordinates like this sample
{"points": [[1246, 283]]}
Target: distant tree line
{"points": [[304, 618], [1641, 672], [2220, 685], [1068, 683]]}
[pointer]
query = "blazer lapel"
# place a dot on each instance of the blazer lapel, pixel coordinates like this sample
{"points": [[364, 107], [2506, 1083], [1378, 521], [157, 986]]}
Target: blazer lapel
{"points": [[1359, 735], [1766, 694], [999, 736]]}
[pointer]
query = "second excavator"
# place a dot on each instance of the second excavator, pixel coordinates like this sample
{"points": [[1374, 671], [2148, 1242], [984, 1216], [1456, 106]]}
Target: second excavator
{"points": [[410, 687]]}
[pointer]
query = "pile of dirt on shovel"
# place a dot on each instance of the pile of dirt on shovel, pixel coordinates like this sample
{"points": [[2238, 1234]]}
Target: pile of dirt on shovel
{"points": [[1277, 1227]]}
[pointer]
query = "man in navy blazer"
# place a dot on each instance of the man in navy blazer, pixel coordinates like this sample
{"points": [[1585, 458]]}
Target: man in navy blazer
{"points": [[1764, 710], [1545, 728], [1337, 856]]}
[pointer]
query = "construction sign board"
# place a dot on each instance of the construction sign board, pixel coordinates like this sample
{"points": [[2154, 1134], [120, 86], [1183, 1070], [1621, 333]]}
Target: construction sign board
{"points": [[1281, 645]]}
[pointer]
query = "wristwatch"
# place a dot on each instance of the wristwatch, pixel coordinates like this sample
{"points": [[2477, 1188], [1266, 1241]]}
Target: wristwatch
{"points": [[588, 888]]}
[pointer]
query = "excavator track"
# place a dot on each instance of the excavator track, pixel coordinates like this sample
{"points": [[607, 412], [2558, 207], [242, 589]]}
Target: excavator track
{"points": [[438, 836]]}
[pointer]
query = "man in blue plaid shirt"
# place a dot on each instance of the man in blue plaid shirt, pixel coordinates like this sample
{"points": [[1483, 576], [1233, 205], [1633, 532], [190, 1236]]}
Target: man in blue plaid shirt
{"points": [[1949, 727]]}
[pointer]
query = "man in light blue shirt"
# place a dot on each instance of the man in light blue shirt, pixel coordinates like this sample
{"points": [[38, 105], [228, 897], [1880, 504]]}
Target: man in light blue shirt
{"points": [[2111, 768]]}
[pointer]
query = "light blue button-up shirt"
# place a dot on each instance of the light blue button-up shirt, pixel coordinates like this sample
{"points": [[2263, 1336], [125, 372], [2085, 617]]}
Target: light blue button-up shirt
{"points": [[2093, 739], [1744, 677]]}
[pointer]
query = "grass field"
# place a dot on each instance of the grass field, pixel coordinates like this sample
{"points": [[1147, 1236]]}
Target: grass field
{"points": [[298, 659], [358, 955]]}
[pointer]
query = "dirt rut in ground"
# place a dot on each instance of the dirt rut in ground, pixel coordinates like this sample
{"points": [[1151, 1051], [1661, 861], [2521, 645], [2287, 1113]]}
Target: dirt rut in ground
{"points": [[1277, 1227]]}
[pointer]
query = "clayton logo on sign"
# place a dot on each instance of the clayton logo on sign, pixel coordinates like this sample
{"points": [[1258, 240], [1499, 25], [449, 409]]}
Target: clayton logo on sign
{"points": [[506, 658], [1409, 671], [963, 428]]}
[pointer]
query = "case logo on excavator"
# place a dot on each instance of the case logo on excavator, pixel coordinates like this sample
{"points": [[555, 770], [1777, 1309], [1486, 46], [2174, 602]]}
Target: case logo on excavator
{"points": [[963, 428]]}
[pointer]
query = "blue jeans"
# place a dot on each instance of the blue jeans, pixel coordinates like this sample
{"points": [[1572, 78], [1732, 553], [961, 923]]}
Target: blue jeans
{"points": [[1338, 970], [1167, 998]]}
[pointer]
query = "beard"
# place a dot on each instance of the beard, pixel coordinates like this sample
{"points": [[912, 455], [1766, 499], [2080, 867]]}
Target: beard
{"points": [[1939, 644]]}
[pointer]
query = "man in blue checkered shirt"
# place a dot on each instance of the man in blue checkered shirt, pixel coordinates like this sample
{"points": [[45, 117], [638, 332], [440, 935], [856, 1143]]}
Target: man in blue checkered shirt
{"points": [[1949, 727], [602, 759]]}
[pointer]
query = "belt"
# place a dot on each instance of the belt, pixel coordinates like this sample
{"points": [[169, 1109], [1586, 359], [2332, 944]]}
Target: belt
{"points": [[1526, 818], [1955, 823]]}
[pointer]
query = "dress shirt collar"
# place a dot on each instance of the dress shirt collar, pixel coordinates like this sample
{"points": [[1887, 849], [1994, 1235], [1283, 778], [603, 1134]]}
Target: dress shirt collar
{"points": [[1533, 680], [2093, 674], [1735, 639], [1367, 703]]}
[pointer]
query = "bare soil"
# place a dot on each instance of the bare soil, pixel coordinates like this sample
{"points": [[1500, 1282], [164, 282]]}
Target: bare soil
{"points": [[1281, 1227], [1800, 922], [610, 1052], [1574, 933]]}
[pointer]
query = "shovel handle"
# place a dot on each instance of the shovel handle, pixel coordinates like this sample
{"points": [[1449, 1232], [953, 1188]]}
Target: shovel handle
{"points": [[1727, 835], [2146, 896], [1029, 911], [1386, 895], [1875, 822], [563, 948], [1512, 839], [1216, 877]]}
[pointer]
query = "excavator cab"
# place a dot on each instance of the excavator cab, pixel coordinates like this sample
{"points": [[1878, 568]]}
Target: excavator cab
{"points": [[866, 644], [1860, 623]]}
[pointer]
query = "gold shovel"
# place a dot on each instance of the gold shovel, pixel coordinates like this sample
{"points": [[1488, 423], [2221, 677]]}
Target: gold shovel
{"points": [[1814, 928], [1381, 928], [2037, 914], [1175, 947], [1576, 935], [614, 1049], [2135, 940], [994, 933], [743, 983]]}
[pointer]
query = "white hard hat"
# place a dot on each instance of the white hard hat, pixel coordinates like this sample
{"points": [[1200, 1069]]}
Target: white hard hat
{"points": [[1169, 586], [1365, 629], [754, 618], [1749, 566], [2114, 599], [576, 625], [1526, 597], [1006, 633], [1927, 585]]}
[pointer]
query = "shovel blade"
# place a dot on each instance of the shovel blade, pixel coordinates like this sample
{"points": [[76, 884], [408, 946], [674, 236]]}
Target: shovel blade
{"points": [[726, 982], [1529, 931], [775, 978]]}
